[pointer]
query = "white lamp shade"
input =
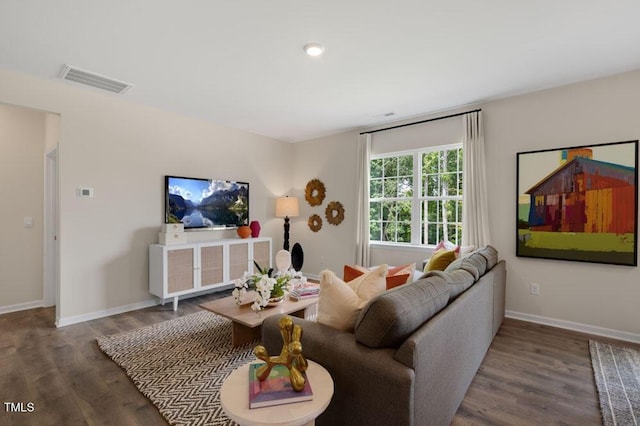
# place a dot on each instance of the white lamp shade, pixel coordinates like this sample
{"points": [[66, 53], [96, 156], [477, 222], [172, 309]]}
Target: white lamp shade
{"points": [[287, 207]]}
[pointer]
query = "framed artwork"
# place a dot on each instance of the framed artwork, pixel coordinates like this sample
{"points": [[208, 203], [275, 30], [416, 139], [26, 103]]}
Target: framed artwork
{"points": [[579, 203]]}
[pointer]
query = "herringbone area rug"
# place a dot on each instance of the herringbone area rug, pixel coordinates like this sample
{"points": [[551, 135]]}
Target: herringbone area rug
{"points": [[617, 373], [180, 365]]}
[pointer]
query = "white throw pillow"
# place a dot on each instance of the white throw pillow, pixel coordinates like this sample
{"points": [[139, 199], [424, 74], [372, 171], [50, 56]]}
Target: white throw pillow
{"points": [[371, 283], [339, 304]]}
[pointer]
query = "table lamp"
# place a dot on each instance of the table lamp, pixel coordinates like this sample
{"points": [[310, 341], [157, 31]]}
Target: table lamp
{"points": [[287, 207]]}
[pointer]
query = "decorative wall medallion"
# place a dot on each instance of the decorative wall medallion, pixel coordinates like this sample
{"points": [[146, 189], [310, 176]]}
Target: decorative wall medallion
{"points": [[315, 192], [315, 222], [334, 213]]}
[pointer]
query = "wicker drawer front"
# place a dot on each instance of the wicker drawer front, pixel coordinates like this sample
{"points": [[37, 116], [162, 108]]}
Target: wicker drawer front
{"points": [[180, 270], [211, 265], [262, 254], [238, 259]]}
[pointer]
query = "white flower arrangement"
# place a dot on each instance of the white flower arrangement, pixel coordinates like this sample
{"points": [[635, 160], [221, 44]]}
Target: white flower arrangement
{"points": [[266, 287]]}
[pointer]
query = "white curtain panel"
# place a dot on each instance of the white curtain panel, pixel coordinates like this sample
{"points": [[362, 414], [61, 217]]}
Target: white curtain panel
{"points": [[475, 211], [362, 231]]}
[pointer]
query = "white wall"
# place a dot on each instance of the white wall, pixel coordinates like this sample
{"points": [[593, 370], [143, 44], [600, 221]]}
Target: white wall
{"points": [[22, 140], [599, 111], [122, 151], [333, 161], [596, 298]]}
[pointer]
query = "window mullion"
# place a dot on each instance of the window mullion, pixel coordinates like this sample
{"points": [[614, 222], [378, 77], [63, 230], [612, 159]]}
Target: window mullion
{"points": [[416, 230]]}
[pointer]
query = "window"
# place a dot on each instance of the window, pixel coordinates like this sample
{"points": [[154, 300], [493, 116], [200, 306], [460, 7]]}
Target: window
{"points": [[415, 197]]}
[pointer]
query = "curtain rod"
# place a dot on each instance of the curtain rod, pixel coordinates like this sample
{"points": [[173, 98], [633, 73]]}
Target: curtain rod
{"points": [[420, 122]]}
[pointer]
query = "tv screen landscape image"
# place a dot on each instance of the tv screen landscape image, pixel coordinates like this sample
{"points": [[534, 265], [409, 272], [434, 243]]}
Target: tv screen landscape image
{"points": [[206, 203]]}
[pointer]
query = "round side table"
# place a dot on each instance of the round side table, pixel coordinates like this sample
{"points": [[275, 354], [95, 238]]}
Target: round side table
{"points": [[234, 396]]}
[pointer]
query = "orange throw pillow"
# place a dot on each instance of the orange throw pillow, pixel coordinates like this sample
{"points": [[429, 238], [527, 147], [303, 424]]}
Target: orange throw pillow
{"points": [[409, 268], [351, 272], [354, 271], [396, 280]]}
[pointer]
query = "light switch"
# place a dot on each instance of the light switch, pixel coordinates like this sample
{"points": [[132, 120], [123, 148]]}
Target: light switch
{"points": [[84, 192], [28, 222]]}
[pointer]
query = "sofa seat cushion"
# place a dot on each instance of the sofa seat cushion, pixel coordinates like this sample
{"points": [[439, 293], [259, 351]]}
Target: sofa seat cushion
{"points": [[458, 281], [389, 318]]}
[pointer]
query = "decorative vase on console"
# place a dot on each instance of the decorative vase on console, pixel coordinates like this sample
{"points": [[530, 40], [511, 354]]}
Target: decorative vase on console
{"points": [[255, 229], [244, 231]]}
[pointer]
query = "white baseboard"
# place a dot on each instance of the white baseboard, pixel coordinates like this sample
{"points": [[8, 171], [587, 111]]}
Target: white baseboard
{"points": [[576, 326], [21, 306], [127, 308], [62, 322]]}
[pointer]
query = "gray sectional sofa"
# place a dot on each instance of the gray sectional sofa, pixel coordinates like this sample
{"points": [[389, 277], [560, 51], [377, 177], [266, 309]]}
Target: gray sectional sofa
{"points": [[415, 349]]}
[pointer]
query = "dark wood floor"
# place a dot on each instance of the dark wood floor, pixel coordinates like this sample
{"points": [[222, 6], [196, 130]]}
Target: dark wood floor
{"points": [[532, 374]]}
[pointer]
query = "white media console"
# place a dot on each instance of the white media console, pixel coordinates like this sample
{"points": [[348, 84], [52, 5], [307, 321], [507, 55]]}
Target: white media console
{"points": [[179, 269]]}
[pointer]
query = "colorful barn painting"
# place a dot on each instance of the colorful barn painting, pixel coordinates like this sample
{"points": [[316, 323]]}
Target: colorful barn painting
{"points": [[585, 209]]}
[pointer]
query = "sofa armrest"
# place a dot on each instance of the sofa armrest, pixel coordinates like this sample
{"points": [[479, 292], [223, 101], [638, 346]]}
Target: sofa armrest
{"points": [[364, 378]]}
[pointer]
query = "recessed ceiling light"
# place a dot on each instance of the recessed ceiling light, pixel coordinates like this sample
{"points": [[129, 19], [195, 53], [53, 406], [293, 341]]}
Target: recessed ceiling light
{"points": [[313, 49]]}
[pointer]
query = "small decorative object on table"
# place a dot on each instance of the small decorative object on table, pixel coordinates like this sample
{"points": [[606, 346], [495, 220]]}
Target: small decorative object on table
{"points": [[305, 291], [290, 356], [268, 288]]}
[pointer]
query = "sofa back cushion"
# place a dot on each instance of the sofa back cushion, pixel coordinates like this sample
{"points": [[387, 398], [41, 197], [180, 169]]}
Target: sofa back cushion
{"points": [[458, 281], [464, 263], [491, 254], [479, 261], [389, 318]]}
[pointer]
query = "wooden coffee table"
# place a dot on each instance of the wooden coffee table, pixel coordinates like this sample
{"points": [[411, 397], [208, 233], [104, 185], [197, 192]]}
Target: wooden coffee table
{"points": [[247, 324]]}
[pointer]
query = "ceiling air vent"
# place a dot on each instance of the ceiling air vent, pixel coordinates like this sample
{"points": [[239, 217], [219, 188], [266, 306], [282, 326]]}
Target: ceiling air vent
{"points": [[92, 79]]}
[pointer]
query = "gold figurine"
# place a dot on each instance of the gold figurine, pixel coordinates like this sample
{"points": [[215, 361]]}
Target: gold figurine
{"points": [[290, 355]]}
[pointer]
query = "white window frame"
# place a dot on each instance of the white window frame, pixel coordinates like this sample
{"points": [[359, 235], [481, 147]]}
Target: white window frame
{"points": [[417, 198]]}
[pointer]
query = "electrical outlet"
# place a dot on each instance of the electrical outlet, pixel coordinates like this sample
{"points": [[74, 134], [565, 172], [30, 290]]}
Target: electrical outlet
{"points": [[535, 289]]}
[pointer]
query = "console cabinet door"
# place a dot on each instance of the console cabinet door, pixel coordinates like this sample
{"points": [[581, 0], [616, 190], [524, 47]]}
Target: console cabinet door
{"points": [[212, 259], [181, 264], [261, 254], [238, 259]]}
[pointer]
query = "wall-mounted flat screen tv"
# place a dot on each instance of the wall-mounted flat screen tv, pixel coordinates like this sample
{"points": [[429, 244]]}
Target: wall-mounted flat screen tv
{"points": [[206, 203]]}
